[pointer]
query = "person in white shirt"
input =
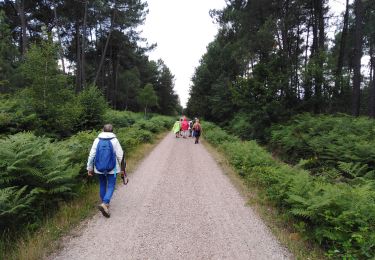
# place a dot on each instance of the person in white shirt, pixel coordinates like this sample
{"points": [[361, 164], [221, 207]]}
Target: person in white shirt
{"points": [[100, 157]]}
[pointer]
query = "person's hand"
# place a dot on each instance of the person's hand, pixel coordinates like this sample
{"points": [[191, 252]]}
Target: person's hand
{"points": [[90, 173], [124, 177]]}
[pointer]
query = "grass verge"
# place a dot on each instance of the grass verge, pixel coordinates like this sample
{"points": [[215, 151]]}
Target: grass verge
{"points": [[39, 244], [280, 226]]}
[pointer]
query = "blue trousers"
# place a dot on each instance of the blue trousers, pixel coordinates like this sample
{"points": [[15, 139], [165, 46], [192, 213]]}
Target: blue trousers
{"points": [[107, 183]]}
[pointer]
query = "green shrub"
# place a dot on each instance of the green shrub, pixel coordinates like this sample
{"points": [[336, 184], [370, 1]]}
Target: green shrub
{"points": [[148, 125], [216, 135], [35, 174], [326, 142], [241, 126], [15, 116], [79, 145], [164, 122], [338, 216], [120, 118], [92, 107]]}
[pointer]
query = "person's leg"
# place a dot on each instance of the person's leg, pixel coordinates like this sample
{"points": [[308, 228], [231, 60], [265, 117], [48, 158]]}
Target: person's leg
{"points": [[110, 188], [102, 185], [198, 134]]}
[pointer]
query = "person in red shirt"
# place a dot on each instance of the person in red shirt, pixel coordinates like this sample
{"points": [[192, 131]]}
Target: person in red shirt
{"points": [[185, 127]]}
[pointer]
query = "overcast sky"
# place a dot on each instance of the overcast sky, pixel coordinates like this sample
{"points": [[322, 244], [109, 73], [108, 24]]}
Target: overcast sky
{"points": [[182, 30]]}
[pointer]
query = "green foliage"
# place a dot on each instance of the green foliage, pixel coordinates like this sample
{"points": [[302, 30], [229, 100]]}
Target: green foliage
{"points": [[15, 116], [35, 174], [147, 97], [338, 216], [79, 145], [8, 55], [121, 118], [342, 143], [92, 107], [216, 135], [130, 67], [162, 121], [47, 92]]}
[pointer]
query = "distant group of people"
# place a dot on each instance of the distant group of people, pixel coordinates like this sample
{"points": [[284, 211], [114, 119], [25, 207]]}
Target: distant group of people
{"points": [[184, 128]]}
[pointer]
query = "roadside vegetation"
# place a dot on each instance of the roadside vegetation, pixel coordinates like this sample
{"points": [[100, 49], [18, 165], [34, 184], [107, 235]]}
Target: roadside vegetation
{"points": [[39, 175], [335, 210], [287, 75]]}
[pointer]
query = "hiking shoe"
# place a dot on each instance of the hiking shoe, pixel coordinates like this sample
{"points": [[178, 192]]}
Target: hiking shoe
{"points": [[104, 210]]}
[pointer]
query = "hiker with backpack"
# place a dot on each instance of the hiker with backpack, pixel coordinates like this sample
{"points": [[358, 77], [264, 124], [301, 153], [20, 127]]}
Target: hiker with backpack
{"points": [[197, 128], [106, 159]]}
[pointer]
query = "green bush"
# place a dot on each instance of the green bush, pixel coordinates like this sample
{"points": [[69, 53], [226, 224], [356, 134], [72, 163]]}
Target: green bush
{"points": [[79, 145], [149, 125], [164, 122], [92, 106], [120, 118], [342, 145], [241, 126], [131, 137], [35, 174], [338, 216], [14, 116], [216, 135]]}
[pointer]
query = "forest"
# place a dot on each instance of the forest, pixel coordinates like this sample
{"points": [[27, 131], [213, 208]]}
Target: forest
{"points": [[291, 83], [275, 59], [69, 46]]}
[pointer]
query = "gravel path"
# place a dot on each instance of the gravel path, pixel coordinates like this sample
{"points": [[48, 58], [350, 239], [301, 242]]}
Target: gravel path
{"points": [[178, 205]]}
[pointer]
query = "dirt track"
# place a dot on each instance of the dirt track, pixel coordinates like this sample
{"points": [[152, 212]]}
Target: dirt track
{"points": [[178, 205]]}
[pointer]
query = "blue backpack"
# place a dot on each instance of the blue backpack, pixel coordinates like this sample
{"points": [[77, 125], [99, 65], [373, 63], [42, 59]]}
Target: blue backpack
{"points": [[105, 158]]}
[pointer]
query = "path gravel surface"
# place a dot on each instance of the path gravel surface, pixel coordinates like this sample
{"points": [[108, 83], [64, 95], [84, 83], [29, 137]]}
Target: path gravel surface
{"points": [[177, 205]]}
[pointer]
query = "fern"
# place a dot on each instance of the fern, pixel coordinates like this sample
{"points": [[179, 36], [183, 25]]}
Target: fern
{"points": [[353, 170], [43, 171], [334, 204]]}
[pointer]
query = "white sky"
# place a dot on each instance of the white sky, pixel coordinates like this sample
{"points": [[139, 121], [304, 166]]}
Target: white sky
{"points": [[182, 30]]}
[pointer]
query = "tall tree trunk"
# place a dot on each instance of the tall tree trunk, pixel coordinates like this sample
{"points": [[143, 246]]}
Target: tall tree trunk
{"points": [[106, 44], [78, 59], [307, 43], [318, 50], [314, 47], [372, 81], [340, 60], [21, 12], [83, 73], [357, 57], [296, 56], [116, 82], [61, 52]]}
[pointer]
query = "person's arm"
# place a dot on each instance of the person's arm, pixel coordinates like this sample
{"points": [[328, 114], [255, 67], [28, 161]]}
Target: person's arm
{"points": [[90, 160], [121, 159]]}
